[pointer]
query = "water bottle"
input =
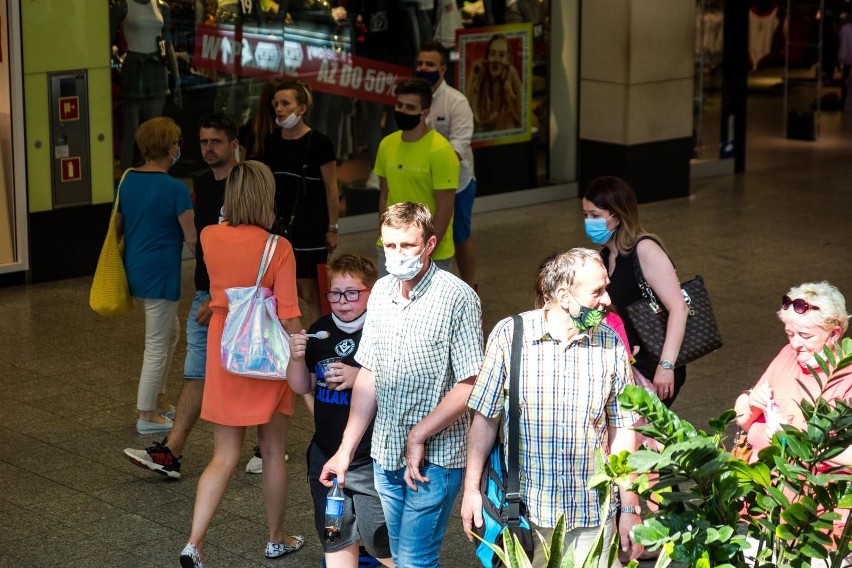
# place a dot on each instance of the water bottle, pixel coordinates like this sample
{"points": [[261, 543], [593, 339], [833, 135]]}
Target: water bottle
{"points": [[333, 513]]}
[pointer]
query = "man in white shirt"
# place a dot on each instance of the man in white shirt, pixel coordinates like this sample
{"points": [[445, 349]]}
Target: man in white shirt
{"points": [[452, 117]]}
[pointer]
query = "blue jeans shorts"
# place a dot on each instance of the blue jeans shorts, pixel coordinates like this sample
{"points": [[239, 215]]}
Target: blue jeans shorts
{"points": [[463, 212], [417, 520], [196, 341]]}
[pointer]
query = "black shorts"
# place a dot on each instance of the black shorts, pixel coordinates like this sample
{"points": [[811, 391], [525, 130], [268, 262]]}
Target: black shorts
{"points": [[307, 260], [143, 76], [363, 519]]}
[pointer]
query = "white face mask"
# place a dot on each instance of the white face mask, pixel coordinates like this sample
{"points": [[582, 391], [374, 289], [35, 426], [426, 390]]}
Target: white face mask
{"points": [[349, 326], [288, 122], [403, 267]]}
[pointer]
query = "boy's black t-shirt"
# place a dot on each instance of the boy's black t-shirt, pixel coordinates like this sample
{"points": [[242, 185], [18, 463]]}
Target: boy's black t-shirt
{"points": [[331, 407]]}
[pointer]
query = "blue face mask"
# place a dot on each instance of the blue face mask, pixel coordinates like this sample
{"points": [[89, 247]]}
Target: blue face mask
{"points": [[596, 230]]}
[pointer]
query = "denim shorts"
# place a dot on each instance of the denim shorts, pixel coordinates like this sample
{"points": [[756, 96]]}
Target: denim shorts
{"points": [[463, 212], [196, 341]]}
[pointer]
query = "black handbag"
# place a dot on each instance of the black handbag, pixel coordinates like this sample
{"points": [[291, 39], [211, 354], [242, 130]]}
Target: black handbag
{"points": [[649, 319], [500, 487]]}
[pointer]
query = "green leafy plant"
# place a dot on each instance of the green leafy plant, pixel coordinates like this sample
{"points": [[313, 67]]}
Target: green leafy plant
{"points": [[513, 555], [793, 521], [787, 499]]}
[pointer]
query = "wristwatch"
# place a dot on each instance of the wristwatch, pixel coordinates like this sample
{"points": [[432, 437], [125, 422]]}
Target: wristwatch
{"points": [[630, 509], [333, 228], [666, 365]]}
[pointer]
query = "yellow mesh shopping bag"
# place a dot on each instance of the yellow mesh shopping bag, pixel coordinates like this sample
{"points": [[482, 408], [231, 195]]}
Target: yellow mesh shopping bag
{"points": [[110, 293]]}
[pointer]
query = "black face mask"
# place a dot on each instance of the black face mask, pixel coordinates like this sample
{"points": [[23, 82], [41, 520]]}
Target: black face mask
{"points": [[432, 76], [405, 121]]}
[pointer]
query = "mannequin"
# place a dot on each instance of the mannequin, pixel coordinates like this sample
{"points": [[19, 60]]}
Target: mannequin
{"points": [[149, 60]]}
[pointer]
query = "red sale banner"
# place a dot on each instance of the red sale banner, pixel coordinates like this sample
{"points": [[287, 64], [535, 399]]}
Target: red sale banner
{"points": [[264, 56]]}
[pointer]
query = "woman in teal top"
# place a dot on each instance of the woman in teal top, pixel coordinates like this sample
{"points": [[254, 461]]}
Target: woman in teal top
{"points": [[155, 216]]}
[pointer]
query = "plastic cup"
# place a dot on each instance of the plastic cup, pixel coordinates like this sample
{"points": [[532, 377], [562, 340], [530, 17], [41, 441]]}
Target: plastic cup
{"points": [[326, 373]]}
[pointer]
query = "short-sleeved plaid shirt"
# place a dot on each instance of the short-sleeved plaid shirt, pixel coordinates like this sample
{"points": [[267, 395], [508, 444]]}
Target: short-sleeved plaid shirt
{"points": [[419, 349], [568, 398]]}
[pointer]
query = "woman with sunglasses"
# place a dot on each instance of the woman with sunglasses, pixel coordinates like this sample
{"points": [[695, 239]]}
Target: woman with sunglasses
{"points": [[814, 315], [612, 220], [156, 218]]}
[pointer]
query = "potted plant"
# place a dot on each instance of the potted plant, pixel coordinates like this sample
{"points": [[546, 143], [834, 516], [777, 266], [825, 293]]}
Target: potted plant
{"points": [[787, 499]]}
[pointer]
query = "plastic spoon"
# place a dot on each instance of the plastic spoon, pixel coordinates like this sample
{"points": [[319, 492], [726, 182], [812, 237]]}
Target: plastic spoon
{"points": [[318, 335]]}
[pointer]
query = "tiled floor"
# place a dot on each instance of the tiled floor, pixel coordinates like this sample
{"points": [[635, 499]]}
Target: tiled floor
{"points": [[68, 498]]}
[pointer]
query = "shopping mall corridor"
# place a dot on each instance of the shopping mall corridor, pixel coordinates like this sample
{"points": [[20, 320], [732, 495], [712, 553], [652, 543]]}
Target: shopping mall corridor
{"points": [[69, 498]]}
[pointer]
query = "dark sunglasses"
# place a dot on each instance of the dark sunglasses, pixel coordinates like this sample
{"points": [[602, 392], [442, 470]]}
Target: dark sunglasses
{"points": [[350, 295], [800, 306]]}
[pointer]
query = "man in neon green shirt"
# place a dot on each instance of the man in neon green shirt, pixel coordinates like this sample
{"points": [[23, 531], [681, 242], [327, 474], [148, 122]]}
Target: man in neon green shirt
{"points": [[417, 164]]}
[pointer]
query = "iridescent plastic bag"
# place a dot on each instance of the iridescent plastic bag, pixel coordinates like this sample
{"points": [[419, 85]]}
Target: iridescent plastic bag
{"points": [[254, 343]]}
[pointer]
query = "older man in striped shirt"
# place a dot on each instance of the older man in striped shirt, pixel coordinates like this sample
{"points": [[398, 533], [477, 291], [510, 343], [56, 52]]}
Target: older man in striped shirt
{"points": [[572, 370], [420, 351]]}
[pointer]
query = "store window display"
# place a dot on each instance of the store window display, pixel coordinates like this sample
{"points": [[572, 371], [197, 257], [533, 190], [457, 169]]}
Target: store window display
{"points": [[351, 52], [147, 67]]}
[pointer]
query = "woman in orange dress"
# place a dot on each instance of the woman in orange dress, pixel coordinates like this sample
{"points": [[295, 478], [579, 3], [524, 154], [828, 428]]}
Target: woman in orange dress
{"points": [[232, 252]]}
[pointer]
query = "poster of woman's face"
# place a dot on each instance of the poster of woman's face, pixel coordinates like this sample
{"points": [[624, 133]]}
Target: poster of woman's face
{"points": [[494, 74]]}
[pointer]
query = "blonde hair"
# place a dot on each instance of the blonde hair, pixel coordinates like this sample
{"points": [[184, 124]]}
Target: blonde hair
{"points": [[354, 265], [561, 269], [409, 214], [156, 136], [250, 195], [829, 300]]}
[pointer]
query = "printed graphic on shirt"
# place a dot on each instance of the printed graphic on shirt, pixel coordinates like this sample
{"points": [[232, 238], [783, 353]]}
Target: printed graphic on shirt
{"points": [[340, 398], [345, 348]]}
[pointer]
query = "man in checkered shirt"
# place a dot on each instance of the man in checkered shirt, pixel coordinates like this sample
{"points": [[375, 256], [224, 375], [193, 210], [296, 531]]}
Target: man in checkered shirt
{"points": [[420, 352], [573, 367]]}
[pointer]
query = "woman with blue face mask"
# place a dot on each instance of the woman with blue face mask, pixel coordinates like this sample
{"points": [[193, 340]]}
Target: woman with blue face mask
{"points": [[611, 218]]}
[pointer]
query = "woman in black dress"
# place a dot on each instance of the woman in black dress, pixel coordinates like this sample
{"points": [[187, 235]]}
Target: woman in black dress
{"points": [[612, 220], [306, 195]]}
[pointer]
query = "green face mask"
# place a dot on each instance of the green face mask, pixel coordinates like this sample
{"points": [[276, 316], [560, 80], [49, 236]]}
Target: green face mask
{"points": [[587, 318]]}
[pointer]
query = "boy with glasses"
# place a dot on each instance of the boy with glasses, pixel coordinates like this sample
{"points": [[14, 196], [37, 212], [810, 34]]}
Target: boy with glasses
{"points": [[327, 369]]}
